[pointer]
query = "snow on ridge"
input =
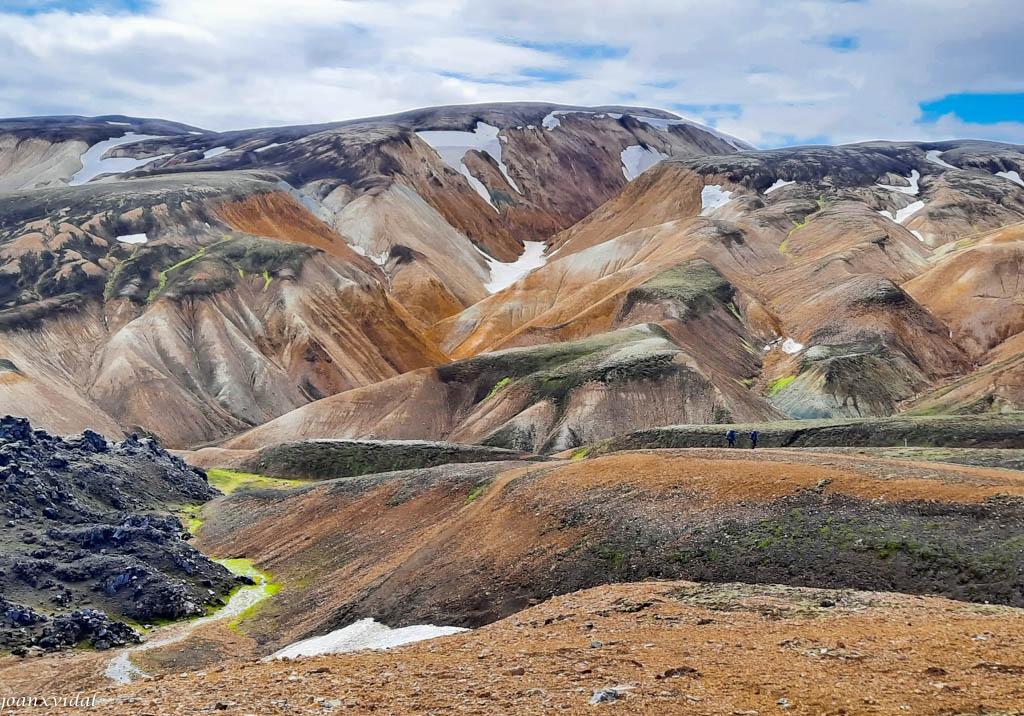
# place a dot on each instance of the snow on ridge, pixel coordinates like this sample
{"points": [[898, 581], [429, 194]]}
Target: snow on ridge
{"points": [[452, 147], [133, 238], [934, 156], [214, 152], [913, 190], [268, 146], [1012, 176], [93, 163], [636, 160], [664, 124], [364, 634], [779, 183], [713, 197], [900, 216], [504, 275], [551, 121], [120, 124]]}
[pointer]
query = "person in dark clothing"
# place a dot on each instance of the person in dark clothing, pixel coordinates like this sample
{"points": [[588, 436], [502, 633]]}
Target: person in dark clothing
{"points": [[731, 437], [753, 439]]}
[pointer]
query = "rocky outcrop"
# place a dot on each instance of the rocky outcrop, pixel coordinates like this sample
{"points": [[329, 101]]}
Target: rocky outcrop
{"points": [[89, 540]]}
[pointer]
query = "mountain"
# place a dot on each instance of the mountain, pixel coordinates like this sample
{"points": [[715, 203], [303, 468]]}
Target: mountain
{"points": [[813, 282], [187, 284], [413, 276]]}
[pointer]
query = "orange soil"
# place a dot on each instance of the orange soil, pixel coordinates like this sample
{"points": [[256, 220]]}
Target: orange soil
{"points": [[727, 649]]}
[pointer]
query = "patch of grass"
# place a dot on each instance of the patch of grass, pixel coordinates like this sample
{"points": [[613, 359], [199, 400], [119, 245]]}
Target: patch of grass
{"points": [[228, 481], [162, 284], [734, 311], [778, 384], [580, 454], [266, 280], [745, 382], [963, 243], [477, 491], [497, 387]]}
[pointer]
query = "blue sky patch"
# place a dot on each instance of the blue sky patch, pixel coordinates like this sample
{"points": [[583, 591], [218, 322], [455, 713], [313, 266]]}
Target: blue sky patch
{"points": [[733, 111], [976, 108], [106, 7], [842, 43], [574, 51]]}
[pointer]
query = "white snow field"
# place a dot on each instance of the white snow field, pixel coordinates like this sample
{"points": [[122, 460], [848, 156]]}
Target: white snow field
{"points": [[779, 183], [93, 163], [791, 347], [934, 156], [1012, 176], [636, 160], [133, 238], [364, 634], [712, 197], [504, 275], [912, 190], [452, 146], [214, 152], [901, 215], [552, 121]]}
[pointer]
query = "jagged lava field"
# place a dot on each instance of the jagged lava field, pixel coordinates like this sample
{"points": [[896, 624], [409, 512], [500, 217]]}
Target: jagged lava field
{"points": [[427, 413]]}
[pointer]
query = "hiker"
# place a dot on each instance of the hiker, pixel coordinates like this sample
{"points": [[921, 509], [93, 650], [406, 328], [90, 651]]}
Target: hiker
{"points": [[731, 437], [753, 439]]}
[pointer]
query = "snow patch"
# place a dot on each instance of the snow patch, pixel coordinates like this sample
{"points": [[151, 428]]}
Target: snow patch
{"points": [[551, 121], [918, 234], [779, 183], [364, 634], [269, 146], [901, 215], [479, 188], [133, 238], [452, 146], [93, 163], [912, 190], [504, 275], [214, 152], [713, 197], [379, 259], [636, 160], [120, 124], [790, 347], [1012, 176], [934, 157], [665, 124], [198, 134]]}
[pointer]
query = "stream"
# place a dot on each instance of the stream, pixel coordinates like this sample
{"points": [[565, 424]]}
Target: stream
{"points": [[121, 670]]}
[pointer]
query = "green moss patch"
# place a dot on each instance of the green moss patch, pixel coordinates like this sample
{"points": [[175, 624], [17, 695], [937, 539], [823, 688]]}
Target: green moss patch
{"points": [[228, 481], [778, 384]]}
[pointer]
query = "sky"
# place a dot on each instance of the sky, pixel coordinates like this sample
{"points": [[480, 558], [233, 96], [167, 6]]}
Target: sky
{"points": [[773, 72]]}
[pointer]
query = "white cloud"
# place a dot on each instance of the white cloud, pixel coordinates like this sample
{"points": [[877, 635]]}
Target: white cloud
{"points": [[241, 63]]}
